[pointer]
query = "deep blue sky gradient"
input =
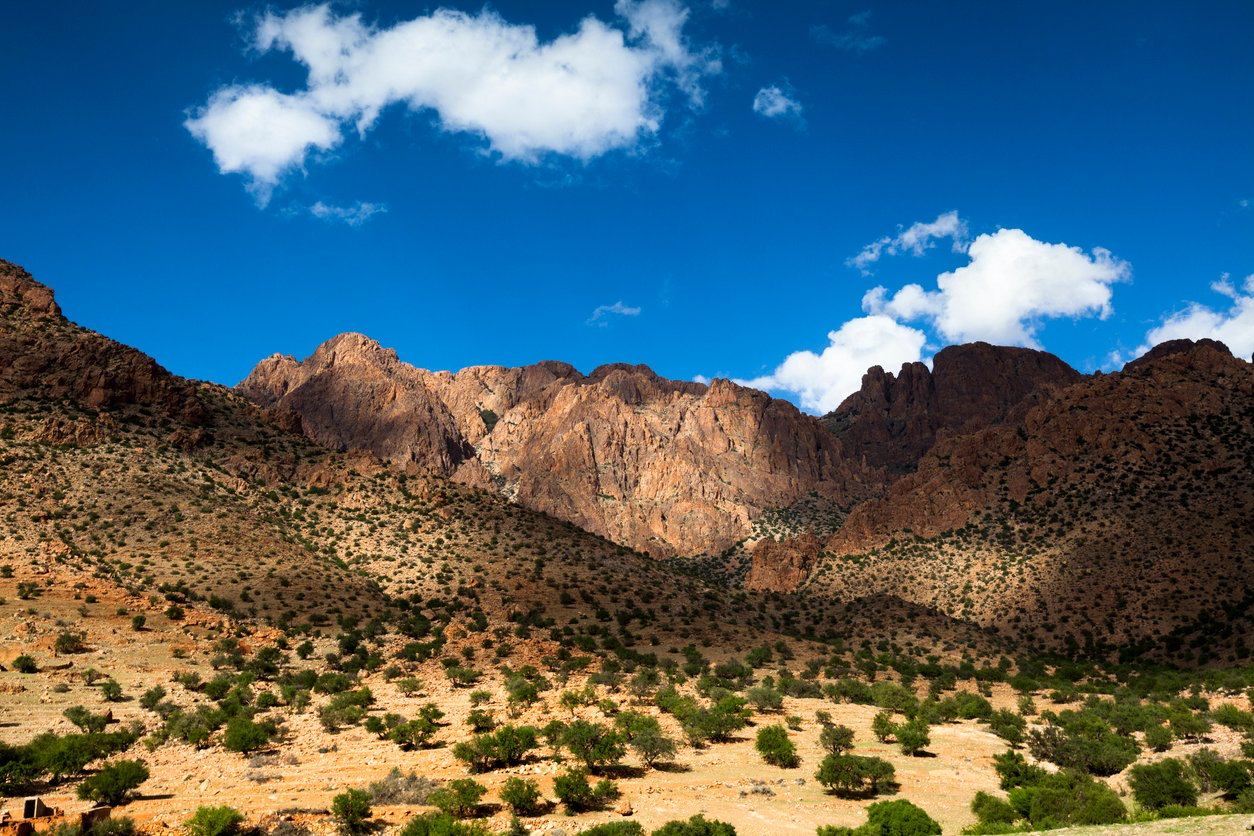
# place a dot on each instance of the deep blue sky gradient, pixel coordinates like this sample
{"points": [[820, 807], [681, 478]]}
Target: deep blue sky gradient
{"points": [[1124, 125]]}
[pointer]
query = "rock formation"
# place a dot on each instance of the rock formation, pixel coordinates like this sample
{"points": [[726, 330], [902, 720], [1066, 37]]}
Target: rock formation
{"points": [[893, 420], [91, 370], [665, 467]]}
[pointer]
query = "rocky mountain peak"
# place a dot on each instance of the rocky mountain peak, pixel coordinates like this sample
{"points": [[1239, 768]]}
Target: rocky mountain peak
{"points": [[892, 420], [19, 289]]}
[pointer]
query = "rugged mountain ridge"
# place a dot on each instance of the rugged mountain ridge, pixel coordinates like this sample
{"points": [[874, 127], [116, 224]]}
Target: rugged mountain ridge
{"points": [[892, 421], [666, 467], [1125, 493]]}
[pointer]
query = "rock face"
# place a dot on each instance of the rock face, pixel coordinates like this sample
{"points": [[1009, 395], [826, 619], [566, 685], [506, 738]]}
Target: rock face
{"points": [[36, 355], [782, 566], [352, 393], [893, 420], [665, 467]]}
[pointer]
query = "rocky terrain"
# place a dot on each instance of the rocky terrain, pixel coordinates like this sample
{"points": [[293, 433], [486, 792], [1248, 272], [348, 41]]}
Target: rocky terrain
{"points": [[664, 467]]}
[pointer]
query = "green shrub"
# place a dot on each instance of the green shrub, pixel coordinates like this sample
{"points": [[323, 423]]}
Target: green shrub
{"points": [[243, 735], [1159, 738], [1166, 782], [84, 719], [442, 824], [855, 775], [595, 744], [900, 818], [114, 826], [836, 740], [25, 664], [507, 746], [459, 798], [111, 691], [913, 737], [577, 795], [1067, 798], [990, 809], [775, 747], [522, 795], [214, 821], [114, 783], [883, 726], [698, 825], [351, 809], [645, 737], [614, 828]]}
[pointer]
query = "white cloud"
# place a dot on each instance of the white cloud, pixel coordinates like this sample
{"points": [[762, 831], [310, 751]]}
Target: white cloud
{"points": [[1012, 283], [354, 215], [915, 239], [774, 103], [856, 37], [823, 380], [617, 309], [580, 95], [1234, 327]]}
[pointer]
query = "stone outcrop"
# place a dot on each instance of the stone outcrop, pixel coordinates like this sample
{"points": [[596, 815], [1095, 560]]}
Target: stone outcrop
{"points": [[784, 565], [352, 393], [893, 420], [41, 352]]}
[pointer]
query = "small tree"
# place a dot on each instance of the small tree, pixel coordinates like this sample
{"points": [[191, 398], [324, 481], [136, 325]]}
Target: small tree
{"points": [[1158, 785], [854, 775], [596, 745], [646, 738], [459, 798], [114, 783], [111, 691], [836, 740], [243, 735], [522, 795], [25, 663], [913, 737], [883, 727], [84, 719], [900, 818], [137, 622], [351, 809], [577, 795], [775, 747], [214, 821]]}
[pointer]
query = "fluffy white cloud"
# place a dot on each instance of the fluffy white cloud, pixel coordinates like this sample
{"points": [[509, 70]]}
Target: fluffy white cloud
{"points": [[580, 95], [1234, 327], [599, 316], [1012, 283], [823, 380], [774, 103], [915, 239], [354, 215]]}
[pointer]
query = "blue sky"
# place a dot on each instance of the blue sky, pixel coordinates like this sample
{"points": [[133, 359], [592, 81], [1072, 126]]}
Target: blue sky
{"points": [[711, 188]]}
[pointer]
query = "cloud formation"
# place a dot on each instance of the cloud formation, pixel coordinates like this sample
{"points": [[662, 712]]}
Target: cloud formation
{"points": [[915, 239], [773, 103], [822, 380], [600, 88], [602, 312], [354, 215], [1234, 327], [856, 36], [1010, 286]]}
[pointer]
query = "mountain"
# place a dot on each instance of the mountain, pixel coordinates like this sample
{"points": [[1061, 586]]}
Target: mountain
{"points": [[665, 467], [893, 420], [1114, 512]]}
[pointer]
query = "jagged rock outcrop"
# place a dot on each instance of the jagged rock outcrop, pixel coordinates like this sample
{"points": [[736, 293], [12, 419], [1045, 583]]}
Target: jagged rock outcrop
{"points": [[37, 354], [352, 393], [893, 420], [782, 566], [665, 467]]}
